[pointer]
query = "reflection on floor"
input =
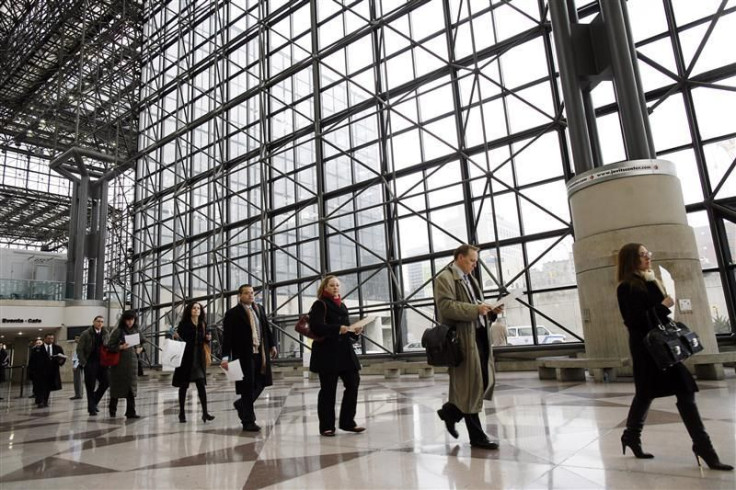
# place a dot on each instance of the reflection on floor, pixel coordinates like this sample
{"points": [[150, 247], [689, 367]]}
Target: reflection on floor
{"points": [[552, 435]]}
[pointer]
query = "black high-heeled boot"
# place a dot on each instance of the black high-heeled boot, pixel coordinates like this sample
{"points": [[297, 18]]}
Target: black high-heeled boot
{"points": [[632, 439], [203, 400], [702, 447], [182, 402]]}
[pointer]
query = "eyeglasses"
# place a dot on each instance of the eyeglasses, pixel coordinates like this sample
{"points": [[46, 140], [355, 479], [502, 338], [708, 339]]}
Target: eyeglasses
{"points": [[645, 255]]}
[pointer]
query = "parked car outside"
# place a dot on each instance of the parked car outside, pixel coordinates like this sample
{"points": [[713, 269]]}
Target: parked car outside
{"points": [[413, 347], [522, 335]]}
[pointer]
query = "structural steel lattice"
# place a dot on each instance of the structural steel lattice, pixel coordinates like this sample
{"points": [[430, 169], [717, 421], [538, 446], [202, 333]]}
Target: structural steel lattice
{"points": [[275, 141]]}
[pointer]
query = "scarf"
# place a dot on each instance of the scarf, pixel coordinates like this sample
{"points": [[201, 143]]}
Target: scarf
{"points": [[335, 299], [648, 275]]}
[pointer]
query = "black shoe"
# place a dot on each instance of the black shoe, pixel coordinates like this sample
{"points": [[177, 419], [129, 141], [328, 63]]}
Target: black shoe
{"points": [[206, 417], [237, 404], [76, 398], [182, 418], [132, 416], [708, 454], [633, 441], [113, 413], [487, 444], [450, 425], [96, 410], [93, 414], [251, 427], [355, 429]]}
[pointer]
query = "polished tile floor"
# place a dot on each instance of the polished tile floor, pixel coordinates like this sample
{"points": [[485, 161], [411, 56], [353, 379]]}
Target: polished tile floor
{"points": [[552, 435]]}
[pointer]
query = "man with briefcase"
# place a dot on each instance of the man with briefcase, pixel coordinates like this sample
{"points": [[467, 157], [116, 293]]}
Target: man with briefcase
{"points": [[459, 303]]}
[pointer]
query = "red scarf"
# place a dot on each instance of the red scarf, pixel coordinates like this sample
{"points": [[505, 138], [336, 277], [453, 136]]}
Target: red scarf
{"points": [[335, 299]]}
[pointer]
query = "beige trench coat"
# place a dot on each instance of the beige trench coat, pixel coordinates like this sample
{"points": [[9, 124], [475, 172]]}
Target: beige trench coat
{"points": [[454, 308]]}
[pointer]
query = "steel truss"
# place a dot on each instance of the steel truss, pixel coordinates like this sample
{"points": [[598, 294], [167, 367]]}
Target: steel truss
{"points": [[69, 82], [211, 214]]}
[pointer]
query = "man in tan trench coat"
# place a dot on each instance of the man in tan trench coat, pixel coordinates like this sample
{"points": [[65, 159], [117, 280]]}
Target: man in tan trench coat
{"points": [[458, 300]]}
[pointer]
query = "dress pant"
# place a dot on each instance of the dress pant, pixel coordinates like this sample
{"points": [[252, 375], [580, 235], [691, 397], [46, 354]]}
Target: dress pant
{"points": [[95, 375], [250, 389], [328, 394], [42, 392], [77, 381]]}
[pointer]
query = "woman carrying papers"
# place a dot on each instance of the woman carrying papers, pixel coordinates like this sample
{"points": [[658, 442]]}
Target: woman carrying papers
{"points": [[333, 357], [124, 376]]}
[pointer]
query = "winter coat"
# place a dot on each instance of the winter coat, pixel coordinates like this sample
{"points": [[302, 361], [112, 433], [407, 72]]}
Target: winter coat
{"points": [[44, 370], [335, 352], [194, 338], [456, 309], [86, 345], [634, 300], [124, 376], [237, 342]]}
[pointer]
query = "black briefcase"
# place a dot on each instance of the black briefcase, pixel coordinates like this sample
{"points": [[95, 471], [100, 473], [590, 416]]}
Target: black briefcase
{"points": [[442, 346]]}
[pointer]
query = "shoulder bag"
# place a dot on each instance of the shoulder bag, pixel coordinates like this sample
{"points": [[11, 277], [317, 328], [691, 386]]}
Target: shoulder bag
{"points": [[302, 327], [108, 358], [669, 343], [442, 346]]}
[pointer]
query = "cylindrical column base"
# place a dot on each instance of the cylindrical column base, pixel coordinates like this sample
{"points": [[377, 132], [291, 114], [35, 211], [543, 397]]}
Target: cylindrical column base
{"points": [[641, 202]]}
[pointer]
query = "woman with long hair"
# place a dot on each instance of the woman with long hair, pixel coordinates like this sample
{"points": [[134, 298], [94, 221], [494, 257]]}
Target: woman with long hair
{"points": [[641, 299], [192, 329], [124, 375], [333, 358]]}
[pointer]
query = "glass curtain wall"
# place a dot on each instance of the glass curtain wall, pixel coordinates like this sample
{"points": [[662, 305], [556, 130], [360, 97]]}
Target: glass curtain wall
{"points": [[282, 140]]}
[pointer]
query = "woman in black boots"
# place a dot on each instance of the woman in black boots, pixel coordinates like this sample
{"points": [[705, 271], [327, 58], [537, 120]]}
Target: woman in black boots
{"points": [[192, 329], [640, 297]]}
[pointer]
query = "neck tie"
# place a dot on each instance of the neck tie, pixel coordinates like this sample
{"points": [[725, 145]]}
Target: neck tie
{"points": [[48, 349], [253, 328]]}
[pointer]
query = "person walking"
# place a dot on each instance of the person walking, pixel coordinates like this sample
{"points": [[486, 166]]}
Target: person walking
{"points": [[43, 369], [95, 375], [459, 302], [192, 329], [641, 299], [124, 375], [333, 358], [248, 338]]}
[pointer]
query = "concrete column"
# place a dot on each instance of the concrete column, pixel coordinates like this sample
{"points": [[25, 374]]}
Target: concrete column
{"points": [[636, 201]]}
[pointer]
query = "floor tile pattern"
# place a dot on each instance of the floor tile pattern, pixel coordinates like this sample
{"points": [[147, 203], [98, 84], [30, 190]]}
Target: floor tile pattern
{"points": [[553, 435]]}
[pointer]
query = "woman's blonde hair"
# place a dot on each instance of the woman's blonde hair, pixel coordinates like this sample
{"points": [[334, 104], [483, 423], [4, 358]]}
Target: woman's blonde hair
{"points": [[323, 284]]}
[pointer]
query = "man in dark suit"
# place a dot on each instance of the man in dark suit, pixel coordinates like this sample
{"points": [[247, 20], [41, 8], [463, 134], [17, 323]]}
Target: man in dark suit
{"points": [[43, 367], [247, 337]]}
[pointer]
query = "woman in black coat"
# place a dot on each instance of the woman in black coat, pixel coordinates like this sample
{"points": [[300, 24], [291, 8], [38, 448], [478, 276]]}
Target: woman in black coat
{"points": [[640, 297], [192, 329], [333, 357]]}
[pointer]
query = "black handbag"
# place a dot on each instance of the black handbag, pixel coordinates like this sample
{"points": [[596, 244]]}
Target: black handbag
{"points": [[689, 339], [669, 343], [442, 346]]}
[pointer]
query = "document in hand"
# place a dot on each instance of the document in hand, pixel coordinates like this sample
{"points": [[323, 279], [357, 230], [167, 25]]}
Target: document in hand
{"points": [[133, 339], [234, 371], [362, 322], [513, 294]]}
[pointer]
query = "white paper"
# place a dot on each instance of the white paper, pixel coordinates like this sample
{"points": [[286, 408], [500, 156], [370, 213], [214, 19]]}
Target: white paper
{"points": [[234, 371], [173, 353], [667, 281], [60, 355], [362, 322], [513, 294], [133, 339]]}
